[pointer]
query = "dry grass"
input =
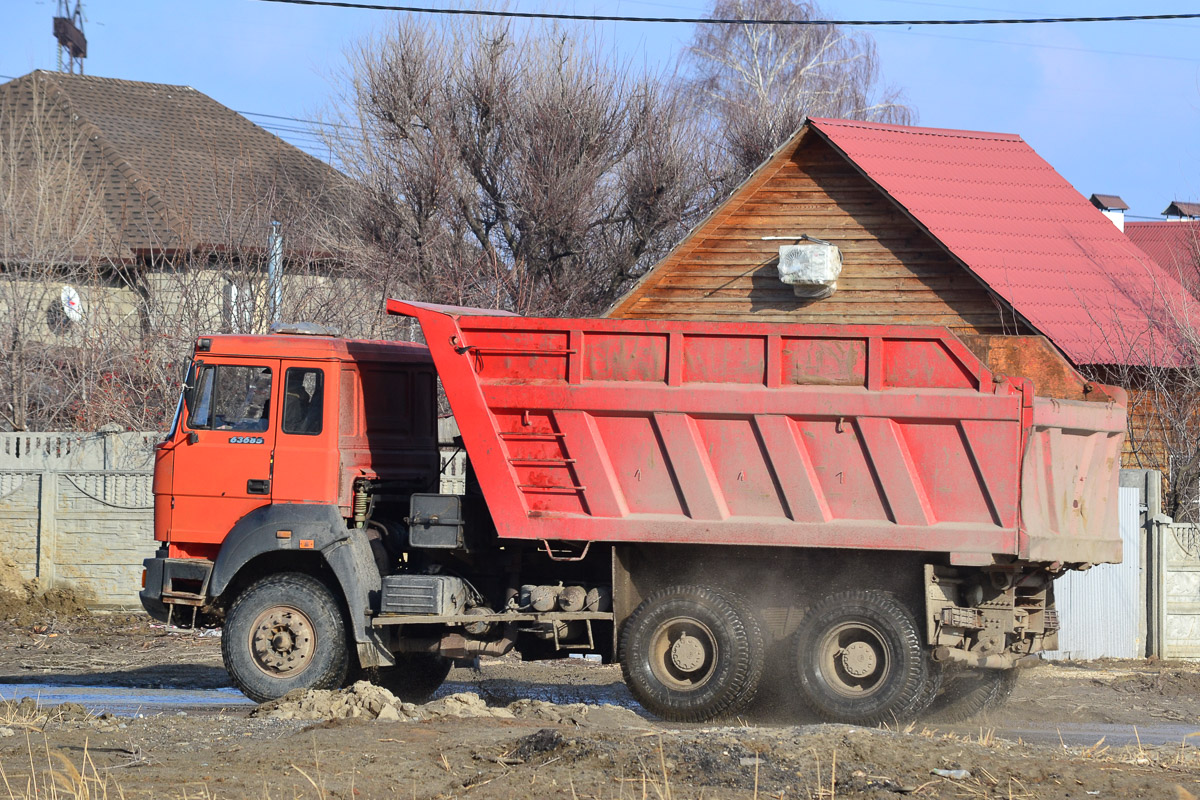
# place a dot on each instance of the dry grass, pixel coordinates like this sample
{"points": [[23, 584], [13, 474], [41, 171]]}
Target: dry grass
{"points": [[53, 776], [26, 713]]}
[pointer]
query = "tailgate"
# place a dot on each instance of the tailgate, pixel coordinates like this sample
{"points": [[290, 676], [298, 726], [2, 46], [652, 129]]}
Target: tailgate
{"points": [[1070, 479]]}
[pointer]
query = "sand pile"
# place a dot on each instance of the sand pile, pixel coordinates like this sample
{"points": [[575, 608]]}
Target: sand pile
{"points": [[367, 701], [26, 603]]}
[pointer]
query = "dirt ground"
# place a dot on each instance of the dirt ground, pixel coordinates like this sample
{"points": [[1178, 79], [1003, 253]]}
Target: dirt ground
{"points": [[555, 729]]}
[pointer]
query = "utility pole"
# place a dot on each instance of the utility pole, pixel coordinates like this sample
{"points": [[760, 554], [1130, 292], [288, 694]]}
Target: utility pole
{"points": [[275, 272]]}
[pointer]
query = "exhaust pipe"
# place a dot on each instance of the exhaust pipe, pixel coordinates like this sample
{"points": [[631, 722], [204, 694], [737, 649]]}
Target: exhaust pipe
{"points": [[455, 645]]}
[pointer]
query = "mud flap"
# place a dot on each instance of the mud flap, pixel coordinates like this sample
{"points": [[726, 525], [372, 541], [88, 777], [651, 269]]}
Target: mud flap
{"points": [[354, 565]]}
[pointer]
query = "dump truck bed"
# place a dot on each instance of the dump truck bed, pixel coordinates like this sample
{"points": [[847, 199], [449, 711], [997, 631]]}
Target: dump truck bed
{"points": [[873, 437]]}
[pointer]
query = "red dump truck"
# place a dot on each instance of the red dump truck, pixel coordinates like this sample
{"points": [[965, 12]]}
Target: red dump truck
{"points": [[857, 511]]}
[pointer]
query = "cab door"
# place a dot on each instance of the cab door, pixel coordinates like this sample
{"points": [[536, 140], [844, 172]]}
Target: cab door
{"points": [[222, 467], [306, 447]]}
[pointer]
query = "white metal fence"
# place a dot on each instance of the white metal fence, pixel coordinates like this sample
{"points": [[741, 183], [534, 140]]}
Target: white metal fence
{"points": [[1101, 612]]}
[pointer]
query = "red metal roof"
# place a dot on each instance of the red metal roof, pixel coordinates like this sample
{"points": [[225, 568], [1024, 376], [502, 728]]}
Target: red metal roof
{"points": [[1018, 225], [1175, 246]]}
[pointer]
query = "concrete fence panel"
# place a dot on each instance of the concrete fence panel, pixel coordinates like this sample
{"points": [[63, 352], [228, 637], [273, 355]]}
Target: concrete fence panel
{"points": [[87, 531], [20, 520], [76, 510], [1180, 579]]}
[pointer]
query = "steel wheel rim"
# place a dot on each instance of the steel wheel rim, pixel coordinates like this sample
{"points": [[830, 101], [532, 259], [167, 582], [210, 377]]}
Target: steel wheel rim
{"points": [[683, 653], [282, 641], [855, 659]]}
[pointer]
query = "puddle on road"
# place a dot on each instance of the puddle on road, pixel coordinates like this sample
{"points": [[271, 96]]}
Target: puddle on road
{"points": [[1083, 734], [126, 701]]}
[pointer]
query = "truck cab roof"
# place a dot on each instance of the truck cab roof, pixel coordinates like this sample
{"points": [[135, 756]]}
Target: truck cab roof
{"points": [[324, 348]]}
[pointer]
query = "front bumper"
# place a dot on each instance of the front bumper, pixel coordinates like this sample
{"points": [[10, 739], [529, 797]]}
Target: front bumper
{"points": [[174, 581], [151, 594]]}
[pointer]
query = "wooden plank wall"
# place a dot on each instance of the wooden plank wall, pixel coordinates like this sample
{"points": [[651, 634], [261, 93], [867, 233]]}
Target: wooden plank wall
{"points": [[892, 271]]}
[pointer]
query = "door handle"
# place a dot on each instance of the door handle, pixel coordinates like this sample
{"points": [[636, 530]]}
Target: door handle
{"points": [[258, 486]]}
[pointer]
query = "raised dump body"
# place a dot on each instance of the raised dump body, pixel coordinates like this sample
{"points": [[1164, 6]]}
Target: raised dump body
{"points": [[860, 512], [864, 437]]}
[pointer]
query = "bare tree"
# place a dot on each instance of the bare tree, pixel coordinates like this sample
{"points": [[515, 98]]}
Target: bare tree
{"points": [[1152, 349], [526, 170], [94, 332], [49, 221], [756, 84]]}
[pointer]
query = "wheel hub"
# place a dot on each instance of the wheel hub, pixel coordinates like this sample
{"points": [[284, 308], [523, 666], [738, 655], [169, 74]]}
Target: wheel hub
{"points": [[282, 641], [859, 660], [855, 659], [683, 653], [687, 653]]}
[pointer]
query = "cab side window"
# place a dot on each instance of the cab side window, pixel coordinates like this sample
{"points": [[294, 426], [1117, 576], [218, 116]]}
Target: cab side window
{"points": [[232, 398], [303, 401]]}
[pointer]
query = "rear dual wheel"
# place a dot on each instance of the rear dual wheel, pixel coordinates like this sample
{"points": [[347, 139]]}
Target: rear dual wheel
{"points": [[692, 653], [858, 658], [968, 692]]}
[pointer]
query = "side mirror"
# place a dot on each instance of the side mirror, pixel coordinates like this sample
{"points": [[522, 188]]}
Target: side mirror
{"points": [[193, 437]]}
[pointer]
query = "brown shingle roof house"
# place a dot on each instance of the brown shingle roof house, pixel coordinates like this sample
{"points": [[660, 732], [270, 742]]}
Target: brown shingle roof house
{"points": [[176, 170]]}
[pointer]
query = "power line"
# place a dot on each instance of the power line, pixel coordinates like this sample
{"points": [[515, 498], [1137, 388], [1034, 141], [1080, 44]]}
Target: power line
{"points": [[297, 137], [982, 8], [1038, 46], [707, 21], [295, 119], [289, 129]]}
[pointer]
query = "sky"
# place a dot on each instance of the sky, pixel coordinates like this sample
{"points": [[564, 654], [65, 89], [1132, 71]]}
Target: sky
{"points": [[1114, 107]]}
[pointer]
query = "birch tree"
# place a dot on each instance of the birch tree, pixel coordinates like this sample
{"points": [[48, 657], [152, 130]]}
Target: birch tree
{"points": [[755, 84]]}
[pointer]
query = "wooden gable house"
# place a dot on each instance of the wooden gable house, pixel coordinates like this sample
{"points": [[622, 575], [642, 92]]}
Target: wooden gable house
{"points": [[965, 229]]}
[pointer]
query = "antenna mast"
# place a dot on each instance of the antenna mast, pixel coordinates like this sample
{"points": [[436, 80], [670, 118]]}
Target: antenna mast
{"points": [[68, 30]]}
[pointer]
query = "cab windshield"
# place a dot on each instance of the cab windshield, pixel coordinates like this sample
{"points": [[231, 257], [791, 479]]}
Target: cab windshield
{"points": [[229, 397]]}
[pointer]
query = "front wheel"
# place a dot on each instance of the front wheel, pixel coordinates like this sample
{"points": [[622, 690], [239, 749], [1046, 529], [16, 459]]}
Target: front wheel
{"points": [[285, 632], [692, 653], [858, 659]]}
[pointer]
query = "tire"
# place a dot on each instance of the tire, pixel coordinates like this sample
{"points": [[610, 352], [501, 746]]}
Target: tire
{"points": [[858, 659], [934, 679], [691, 653], [776, 700], [285, 632], [415, 677], [971, 691]]}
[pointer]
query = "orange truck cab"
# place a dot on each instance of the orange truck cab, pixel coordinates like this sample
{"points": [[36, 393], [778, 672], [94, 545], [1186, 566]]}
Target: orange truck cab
{"points": [[277, 444], [877, 513]]}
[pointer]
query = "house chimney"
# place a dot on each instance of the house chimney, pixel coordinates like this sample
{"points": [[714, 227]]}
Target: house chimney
{"points": [[1183, 212], [1111, 206]]}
